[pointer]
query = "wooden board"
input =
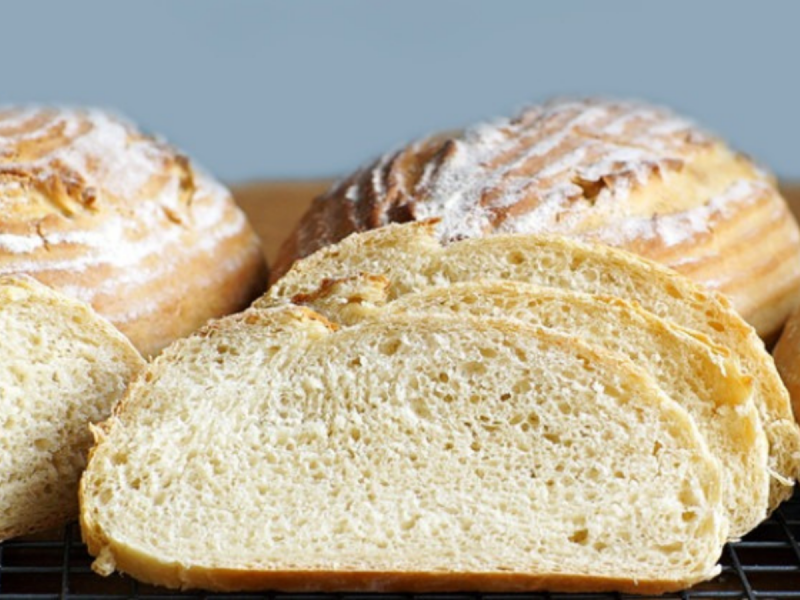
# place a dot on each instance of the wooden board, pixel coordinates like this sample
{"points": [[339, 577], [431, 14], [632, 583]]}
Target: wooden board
{"points": [[274, 207]]}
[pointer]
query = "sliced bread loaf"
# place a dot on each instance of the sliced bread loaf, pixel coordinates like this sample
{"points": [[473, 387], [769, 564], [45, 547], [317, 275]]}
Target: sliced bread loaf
{"points": [[414, 453], [627, 174], [700, 376], [61, 367], [413, 259]]}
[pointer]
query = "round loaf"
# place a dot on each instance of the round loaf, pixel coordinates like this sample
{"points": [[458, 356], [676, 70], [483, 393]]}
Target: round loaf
{"points": [[121, 220], [621, 173]]}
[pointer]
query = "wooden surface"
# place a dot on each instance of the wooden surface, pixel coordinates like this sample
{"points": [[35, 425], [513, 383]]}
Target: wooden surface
{"points": [[275, 206]]}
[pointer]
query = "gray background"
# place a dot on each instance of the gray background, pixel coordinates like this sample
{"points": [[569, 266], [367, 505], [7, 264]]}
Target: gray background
{"points": [[314, 88]]}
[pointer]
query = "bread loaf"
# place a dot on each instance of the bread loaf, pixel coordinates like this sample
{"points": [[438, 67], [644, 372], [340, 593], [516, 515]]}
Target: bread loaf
{"points": [[62, 367], [621, 173], [421, 453], [701, 377], [413, 258], [121, 220], [787, 358]]}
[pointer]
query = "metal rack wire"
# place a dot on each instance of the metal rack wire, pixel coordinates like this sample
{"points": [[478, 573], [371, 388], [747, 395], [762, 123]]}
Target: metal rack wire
{"points": [[764, 565]]}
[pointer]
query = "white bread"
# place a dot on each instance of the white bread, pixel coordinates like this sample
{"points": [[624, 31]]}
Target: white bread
{"points": [[62, 367], [698, 375], [103, 213], [627, 174], [412, 258], [421, 453]]}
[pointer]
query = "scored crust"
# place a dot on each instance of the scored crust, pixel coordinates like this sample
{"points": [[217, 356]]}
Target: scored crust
{"points": [[123, 221], [621, 173]]}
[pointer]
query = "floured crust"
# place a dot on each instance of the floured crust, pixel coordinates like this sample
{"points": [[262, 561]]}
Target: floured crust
{"points": [[621, 173], [121, 220]]}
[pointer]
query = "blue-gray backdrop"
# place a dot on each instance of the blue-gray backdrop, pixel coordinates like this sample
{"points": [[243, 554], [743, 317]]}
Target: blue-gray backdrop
{"points": [[314, 87]]}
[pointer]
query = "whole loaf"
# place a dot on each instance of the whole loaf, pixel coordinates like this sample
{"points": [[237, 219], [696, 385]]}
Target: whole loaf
{"points": [[98, 210], [622, 173]]}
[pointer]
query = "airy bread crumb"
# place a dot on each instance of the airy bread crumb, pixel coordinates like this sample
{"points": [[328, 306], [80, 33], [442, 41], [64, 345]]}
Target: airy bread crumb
{"points": [[412, 258], [410, 452], [63, 367]]}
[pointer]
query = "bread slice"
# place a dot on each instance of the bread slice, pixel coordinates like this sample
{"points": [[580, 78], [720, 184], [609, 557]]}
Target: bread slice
{"points": [[415, 453], [412, 258], [700, 376], [62, 367]]}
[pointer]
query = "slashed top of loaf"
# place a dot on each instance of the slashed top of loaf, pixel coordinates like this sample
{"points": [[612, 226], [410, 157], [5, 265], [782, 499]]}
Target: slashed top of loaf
{"points": [[622, 173], [83, 189], [542, 171], [65, 161]]}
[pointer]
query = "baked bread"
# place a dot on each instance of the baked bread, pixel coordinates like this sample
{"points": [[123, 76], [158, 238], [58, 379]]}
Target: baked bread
{"points": [[787, 358], [62, 368], [412, 257], [701, 377], [518, 459], [118, 219], [622, 173]]}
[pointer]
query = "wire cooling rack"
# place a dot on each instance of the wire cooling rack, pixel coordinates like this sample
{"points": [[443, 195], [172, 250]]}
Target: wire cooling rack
{"points": [[764, 565]]}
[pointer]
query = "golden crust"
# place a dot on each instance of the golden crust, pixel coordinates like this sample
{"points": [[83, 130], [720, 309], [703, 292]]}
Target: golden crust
{"points": [[121, 220], [148, 569], [787, 359], [625, 174]]}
